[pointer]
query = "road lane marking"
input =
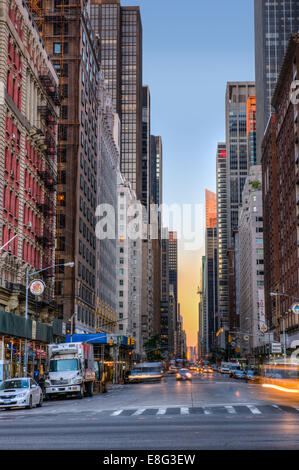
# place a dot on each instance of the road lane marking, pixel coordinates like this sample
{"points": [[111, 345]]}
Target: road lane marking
{"points": [[139, 412], [161, 411], [184, 410], [230, 409], [254, 410], [116, 413], [207, 412]]}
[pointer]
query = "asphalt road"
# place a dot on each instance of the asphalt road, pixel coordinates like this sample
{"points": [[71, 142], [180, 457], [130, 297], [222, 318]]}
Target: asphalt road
{"points": [[211, 412]]}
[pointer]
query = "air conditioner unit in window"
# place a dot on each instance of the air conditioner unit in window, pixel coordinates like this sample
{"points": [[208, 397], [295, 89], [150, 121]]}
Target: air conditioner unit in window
{"points": [[9, 249], [30, 224], [13, 136], [11, 174], [29, 191]]}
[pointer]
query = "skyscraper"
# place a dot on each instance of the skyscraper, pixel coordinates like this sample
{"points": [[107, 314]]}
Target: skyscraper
{"points": [[211, 210], [274, 22], [211, 266], [156, 170], [237, 94], [173, 266], [120, 31], [222, 234], [251, 129], [145, 147]]}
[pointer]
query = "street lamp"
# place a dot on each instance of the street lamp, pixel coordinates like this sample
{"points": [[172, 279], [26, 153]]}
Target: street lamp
{"points": [[28, 275]]}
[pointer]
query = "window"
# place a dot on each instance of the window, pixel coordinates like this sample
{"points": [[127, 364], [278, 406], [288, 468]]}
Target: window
{"points": [[64, 112], [56, 48]]}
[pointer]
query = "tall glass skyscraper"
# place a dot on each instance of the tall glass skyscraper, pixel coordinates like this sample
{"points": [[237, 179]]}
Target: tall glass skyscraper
{"points": [[237, 94], [274, 22], [120, 32]]}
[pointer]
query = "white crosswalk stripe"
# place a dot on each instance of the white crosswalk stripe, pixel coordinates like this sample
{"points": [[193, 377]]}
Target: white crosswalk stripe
{"points": [[230, 409], [161, 411], [117, 412], [184, 410], [254, 410], [207, 412], [139, 412]]}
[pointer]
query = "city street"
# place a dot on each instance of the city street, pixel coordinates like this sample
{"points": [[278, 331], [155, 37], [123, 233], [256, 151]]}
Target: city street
{"points": [[211, 412]]}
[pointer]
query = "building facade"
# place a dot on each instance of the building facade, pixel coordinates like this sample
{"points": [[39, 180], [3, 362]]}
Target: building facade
{"points": [[251, 262], [251, 130], [274, 22], [222, 235], [29, 102], [129, 274], [280, 166], [107, 187], [120, 30], [73, 50]]}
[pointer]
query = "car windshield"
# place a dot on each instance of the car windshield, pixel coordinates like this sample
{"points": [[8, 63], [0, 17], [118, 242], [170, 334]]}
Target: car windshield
{"points": [[18, 383], [59, 365]]}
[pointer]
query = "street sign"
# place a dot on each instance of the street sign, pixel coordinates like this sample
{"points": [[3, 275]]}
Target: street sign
{"points": [[246, 338], [295, 308], [263, 328], [233, 344], [276, 348]]}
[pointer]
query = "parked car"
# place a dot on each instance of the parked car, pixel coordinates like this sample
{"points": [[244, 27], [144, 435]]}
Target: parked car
{"points": [[20, 392], [172, 370], [184, 374]]}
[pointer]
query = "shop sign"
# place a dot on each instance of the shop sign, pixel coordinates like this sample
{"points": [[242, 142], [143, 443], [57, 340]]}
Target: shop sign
{"points": [[37, 287]]}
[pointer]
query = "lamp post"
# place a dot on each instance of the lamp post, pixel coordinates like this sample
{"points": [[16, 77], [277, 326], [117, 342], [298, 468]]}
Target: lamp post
{"points": [[28, 275]]}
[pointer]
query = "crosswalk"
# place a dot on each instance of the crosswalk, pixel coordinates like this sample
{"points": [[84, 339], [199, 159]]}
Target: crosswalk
{"points": [[229, 410]]}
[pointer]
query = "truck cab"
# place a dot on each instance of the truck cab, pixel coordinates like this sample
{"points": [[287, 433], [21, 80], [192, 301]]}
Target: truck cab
{"points": [[70, 370]]}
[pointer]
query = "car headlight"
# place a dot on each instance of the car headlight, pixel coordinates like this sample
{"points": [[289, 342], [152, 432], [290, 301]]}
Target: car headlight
{"points": [[20, 395]]}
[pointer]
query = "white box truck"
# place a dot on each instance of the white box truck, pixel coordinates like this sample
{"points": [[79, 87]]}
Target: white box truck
{"points": [[70, 370]]}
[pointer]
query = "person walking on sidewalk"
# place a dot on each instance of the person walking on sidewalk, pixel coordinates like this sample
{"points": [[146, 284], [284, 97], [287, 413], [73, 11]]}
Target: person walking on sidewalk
{"points": [[104, 382]]}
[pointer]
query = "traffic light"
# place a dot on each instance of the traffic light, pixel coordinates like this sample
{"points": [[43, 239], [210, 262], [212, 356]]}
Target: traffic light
{"points": [[229, 338], [111, 342], [68, 327]]}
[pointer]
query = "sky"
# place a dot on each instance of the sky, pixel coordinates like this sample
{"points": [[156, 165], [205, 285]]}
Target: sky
{"points": [[191, 49]]}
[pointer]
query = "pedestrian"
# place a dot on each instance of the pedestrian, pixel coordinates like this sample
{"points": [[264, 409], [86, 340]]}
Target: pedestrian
{"points": [[104, 382]]}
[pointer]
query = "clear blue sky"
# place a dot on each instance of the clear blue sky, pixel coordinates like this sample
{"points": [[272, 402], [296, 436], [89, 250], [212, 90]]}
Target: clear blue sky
{"points": [[191, 48]]}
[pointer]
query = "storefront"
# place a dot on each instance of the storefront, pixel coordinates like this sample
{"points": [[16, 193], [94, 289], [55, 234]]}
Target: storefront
{"points": [[112, 352], [14, 330]]}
